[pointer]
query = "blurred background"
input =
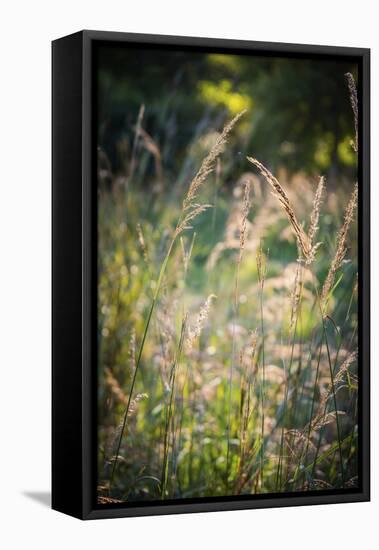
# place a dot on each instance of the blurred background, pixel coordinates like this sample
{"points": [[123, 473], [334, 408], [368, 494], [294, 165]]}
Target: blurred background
{"points": [[299, 113]]}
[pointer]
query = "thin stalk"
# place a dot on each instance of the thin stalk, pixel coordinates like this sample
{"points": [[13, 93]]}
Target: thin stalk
{"points": [[313, 399], [138, 362], [169, 413], [352, 432], [305, 448], [262, 387], [215, 197], [261, 261], [285, 412], [331, 372], [334, 368], [235, 307], [242, 239], [291, 339]]}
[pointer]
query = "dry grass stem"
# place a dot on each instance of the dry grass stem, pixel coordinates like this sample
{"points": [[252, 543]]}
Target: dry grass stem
{"points": [[134, 403], [196, 210], [244, 214], [140, 116], [194, 332], [315, 216], [114, 386], [261, 260], [132, 351], [301, 236], [141, 241], [340, 248], [208, 164], [344, 368], [354, 105], [186, 254], [295, 296]]}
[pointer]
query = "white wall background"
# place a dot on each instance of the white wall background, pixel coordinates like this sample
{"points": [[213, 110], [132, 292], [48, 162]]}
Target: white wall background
{"points": [[27, 27]]}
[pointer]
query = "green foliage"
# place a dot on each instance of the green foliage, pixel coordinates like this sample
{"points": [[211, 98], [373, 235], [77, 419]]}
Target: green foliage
{"points": [[196, 453]]}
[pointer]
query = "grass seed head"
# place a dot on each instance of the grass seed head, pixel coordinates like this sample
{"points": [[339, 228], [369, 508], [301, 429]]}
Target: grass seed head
{"points": [[208, 164], [354, 105], [194, 332], [284, 201], [340, 248]]}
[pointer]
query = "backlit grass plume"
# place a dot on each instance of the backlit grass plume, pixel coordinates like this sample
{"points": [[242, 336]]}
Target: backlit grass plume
{"points": [[315, 216], [208, 164], [193, 332], [190, 211], [354, 105], [302, 238], [340, 247]]}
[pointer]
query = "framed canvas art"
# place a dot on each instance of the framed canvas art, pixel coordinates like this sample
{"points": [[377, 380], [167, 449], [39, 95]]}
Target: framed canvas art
{"points": [[210, 274]]}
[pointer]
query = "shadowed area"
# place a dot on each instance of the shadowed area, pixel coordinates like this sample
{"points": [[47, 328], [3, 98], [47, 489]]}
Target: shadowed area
{"points": [[42, 497]]}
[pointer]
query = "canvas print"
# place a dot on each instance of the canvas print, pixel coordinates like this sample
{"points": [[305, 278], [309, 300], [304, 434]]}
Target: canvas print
{"points": [[227, 274]]}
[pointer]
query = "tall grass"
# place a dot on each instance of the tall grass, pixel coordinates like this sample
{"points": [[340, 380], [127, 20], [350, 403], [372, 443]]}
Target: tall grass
{"points": [[252, 391], [190, 211]]}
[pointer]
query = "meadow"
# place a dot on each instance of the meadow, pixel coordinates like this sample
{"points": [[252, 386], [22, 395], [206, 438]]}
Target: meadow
{"points": [[228, 329]]}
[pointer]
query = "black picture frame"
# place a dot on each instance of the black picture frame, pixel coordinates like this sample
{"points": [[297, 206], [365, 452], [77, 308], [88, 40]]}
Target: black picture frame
{"points": [[74, 291]]}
